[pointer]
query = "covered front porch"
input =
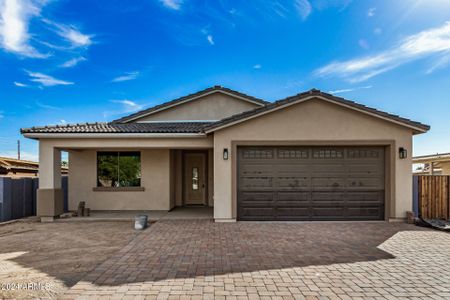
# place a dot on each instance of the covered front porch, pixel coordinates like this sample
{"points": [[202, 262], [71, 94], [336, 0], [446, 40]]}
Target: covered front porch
{"points": [[128, 176]]}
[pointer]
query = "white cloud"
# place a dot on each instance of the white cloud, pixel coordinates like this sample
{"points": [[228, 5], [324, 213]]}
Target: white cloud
{"points": [[72, 62], [371, 12], [441, 63], [209, 37], [14, 18], [378, 31], [20, 84], [46, 80], [434, 42], [127, 106], [257, 66], [47, 106], [128, 76], [2, 114], [63, 122], [172, 4], [304, 8], [350, 89], [71, 34], [207, 33]]}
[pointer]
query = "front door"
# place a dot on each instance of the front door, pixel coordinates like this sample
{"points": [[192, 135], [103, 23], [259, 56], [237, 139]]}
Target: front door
{"points": [[195, 178]]}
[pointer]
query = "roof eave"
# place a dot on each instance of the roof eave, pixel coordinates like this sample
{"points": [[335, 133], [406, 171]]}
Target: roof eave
{"points": [[39, 135]]}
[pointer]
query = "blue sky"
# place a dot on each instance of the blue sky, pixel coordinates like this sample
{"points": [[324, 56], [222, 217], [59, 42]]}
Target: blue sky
{"points": [[77, 61]]}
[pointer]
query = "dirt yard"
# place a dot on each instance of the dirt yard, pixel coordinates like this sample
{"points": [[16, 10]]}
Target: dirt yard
{"points": [[43, 260]]}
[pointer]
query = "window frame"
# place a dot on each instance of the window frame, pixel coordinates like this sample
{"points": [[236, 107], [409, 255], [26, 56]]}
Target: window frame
{"points": [[98, 187]]}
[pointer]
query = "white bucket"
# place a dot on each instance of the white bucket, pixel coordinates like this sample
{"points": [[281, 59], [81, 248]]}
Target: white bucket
{"points": [[140, 222]]}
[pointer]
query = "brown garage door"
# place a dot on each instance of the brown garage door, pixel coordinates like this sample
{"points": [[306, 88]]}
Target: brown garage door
{"points": [[310, 183]]}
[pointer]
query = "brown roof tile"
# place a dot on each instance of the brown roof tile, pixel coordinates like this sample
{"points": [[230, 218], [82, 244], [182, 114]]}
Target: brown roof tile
{"points": [[160, 127]]}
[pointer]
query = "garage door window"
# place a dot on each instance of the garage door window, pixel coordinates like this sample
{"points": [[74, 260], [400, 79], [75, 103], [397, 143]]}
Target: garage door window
{"points": [[328, 153], [257, 154], [363, 154], [290, 153]]}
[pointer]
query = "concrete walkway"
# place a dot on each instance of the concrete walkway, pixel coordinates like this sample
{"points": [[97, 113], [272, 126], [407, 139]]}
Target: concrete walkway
{"points": [[195, 259], [178, 213]]}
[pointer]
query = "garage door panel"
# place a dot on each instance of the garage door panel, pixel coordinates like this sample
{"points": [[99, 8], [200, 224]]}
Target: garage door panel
{"points": [[293, 214], [257, 214], [253, 169], [321, 213], [321, 196], [256, 182], [293, 196], [365, 183], [364, 168], [318, 183], [319, 168], [311, 183], [365, 213], [260, 196], [292, 182]]}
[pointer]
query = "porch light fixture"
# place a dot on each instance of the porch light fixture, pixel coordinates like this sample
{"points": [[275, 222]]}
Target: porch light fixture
{"points": [[402, 153], [225, 153]]}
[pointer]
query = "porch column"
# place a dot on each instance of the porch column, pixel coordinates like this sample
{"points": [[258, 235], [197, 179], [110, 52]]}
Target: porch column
{"points": [[50, 200]]}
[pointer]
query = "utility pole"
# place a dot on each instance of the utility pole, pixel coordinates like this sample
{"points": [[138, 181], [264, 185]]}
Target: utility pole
{"points": [[18, 149]]}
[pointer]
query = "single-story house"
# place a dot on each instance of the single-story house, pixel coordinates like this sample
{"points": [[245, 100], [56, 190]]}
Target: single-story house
{"points": [[312, 156], [434, 164]]}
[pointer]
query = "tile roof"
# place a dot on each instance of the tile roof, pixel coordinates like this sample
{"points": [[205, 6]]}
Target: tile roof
{"points": [[160, 127], [201, 127], [304, 95], [181, 99]]}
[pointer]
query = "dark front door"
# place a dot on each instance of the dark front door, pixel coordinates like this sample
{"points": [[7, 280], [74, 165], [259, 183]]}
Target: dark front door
{"points": [[194, 178], [310, 183]]}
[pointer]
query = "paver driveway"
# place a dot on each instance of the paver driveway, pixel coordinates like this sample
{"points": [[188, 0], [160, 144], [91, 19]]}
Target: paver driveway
{"points": [[202, 259]]}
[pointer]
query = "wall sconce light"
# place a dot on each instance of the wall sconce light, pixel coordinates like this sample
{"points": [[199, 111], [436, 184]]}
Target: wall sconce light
{"points": [[402, 153], [225, 153]]}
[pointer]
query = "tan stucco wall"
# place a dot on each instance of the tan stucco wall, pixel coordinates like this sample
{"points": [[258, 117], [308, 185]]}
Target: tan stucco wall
{"points": [[314, 122], [211, 107], [155, 178]]}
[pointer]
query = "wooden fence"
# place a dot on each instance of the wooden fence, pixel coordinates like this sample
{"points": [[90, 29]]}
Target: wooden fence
{"points": [[433, 196]]}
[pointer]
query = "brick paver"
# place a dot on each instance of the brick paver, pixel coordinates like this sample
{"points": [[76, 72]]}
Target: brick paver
{"points": [[199, 259]]}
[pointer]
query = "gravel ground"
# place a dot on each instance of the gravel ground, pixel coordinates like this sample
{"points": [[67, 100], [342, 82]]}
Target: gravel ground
{"points": [[43, 260]]}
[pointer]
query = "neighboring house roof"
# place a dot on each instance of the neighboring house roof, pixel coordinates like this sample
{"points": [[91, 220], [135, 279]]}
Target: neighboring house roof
{"points": [[10, 163], [438, 157], [13, 165], [154, 127], [314, 93], [184, 99]]}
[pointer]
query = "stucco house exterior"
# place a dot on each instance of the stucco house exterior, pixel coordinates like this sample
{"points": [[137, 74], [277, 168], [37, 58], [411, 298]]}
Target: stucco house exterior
{"points": [[312, 156]]}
